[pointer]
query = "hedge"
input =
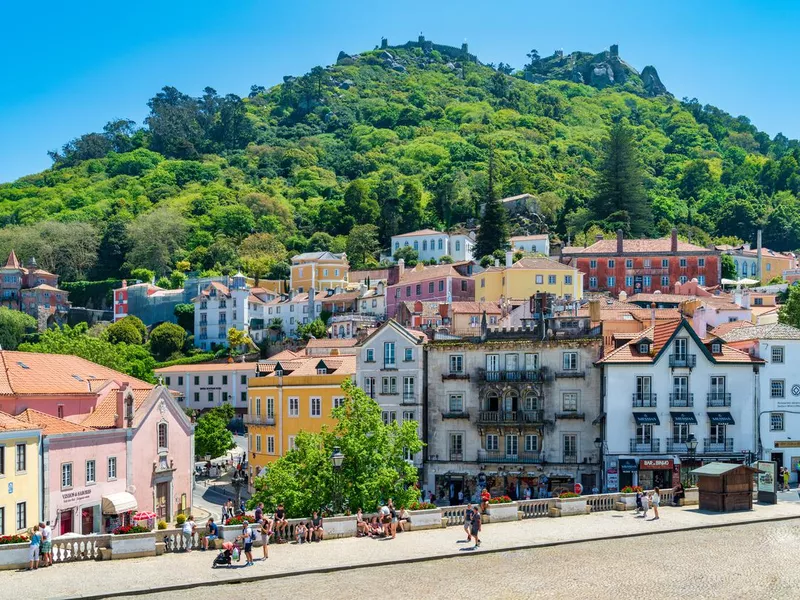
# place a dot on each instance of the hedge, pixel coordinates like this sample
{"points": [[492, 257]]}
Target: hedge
{"points": [[187, 360], [91, 294]]}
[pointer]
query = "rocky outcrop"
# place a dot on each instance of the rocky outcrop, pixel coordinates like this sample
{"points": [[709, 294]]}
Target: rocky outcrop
{"points": [[601, 75], [652, 82]]}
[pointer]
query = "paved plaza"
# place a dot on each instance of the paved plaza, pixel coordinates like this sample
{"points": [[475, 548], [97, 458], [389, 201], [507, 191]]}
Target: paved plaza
{"points": [[658, 554]]}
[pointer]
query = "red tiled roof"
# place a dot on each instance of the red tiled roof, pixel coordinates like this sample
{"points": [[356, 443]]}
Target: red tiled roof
{"points": [[491, 308], [287, 355], [12, 262], [207, 366], [724, 328], [342, 297], [419, 232], [663, 245], [103, 415], [11, 423], [434, 272], [49, 424], [539, 262], [332, 343]]}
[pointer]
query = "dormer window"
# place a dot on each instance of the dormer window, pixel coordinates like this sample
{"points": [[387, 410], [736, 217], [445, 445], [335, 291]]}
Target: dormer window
{"points": [[644, 348], [322, 371], [716, 348]]}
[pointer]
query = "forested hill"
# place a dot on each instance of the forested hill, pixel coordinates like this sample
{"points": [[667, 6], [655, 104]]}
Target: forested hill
{"points": [[398, 138]]}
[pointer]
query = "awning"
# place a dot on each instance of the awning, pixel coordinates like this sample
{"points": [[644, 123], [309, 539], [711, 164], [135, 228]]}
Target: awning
{"points": [[117, 504], [628, 465], [721, 418], [684, 418], [648, 418]]}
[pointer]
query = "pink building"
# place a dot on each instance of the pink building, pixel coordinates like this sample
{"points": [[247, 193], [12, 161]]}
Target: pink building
{"points": [[31, 289], [439, 283]]}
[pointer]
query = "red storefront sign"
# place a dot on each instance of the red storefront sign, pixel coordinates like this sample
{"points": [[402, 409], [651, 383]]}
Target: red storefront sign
{"points": [[655, 464]]}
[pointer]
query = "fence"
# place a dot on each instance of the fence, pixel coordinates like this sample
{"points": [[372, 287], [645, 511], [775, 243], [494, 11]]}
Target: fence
{"points": [[455, 514], [174, 541], [75, 549], [602, 502], [532, 509]]}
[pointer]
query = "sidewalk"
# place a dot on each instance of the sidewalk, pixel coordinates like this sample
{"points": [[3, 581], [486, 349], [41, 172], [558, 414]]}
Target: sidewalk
{"points": [[126, 577]]}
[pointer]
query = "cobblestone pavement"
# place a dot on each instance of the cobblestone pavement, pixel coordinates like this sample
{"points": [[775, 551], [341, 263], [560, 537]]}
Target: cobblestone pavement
{"points": [[96, 578], [747, 561]]}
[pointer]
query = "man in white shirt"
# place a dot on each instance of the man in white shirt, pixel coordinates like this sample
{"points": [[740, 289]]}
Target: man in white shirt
{"points": [[47, 545], [188, 532]]}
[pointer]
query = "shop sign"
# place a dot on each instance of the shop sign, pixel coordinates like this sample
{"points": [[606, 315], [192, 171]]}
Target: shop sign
{"points": [[628, 465], [612, 479], [655, 464], [788, 444], [76, 496]]}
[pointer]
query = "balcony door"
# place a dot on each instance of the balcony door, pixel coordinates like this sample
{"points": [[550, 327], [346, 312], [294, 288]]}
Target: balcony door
{"points": [[717, 386], [512, 447], [644, 434], [531, 362], [492, 367], [510, 402], [681, 348], [644, 387], [680, 386], [512, 366], [717, 434]]}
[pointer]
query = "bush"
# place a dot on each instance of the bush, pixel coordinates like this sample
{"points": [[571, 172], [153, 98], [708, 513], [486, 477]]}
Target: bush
{"points": [[187, 360], [13, 539], [129, 529], [91, 294], [630, 489], [123, 332], [568, 495], [180, 519], [421, 506], [162, 524], [500, 500], [166, 339], [240, 519]]}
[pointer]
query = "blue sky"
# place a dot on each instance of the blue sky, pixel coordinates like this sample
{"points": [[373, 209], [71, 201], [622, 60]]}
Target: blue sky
{"points": [[68, 68]]}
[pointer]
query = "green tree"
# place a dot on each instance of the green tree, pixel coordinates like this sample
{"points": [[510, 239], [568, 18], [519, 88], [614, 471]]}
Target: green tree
{"points": [[156, 237], [620, 185], [211, 435], [166, 339], [789, 312], [13, 327], [408, 254], [176, 280], [185, 315], [362, 245], [728, 267], [123, 331], [143, 275], [315, 328], [359, 203], [374, 467], [493, 229], [239, 341], [234, 221]]}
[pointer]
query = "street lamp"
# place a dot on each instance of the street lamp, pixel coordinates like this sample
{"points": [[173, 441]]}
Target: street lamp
{"points": [[599, 444], [691, 446], [337, 458]]}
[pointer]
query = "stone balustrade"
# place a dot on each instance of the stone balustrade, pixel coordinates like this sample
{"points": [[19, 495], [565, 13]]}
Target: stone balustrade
{"points": [[532, 509]]}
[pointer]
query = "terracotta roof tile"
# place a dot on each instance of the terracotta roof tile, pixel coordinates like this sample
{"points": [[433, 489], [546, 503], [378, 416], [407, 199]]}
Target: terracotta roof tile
{"points": [[103, 415], [491, 308], [542, 263], [724, 328], [287, 355], [433, 272], [12, 262], [635, 247], [11, 423], [209, 366], [332, 343], [49, 424]]}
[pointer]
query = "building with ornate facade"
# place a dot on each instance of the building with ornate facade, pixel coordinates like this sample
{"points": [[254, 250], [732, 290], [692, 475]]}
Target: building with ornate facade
{"points": [[32, 290]]}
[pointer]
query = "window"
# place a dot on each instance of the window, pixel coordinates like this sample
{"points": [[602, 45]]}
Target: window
{"points": [[570, 401], [664, 281], [243, 397], [531, 443], [456, 446], [270, 408], [570, 447], [66, 476], [701, 280], [408, 387], [22, 515], [776, 388], [441, 285], [567, 279], [777, 354], [464, 285], [91, 472], [294, 407], [419, 289], [388, 355], [456, 363], [647, 281], [492, 442], [409, 354], [290, 443], [629, 263], [416, 245], [592, 264], [389, 385], [2, 520], [60, 411], [388, 416], [430, 287], [22, 459], [593, 282], [197, 380], [681, 348], [112, 468], [570, 361], [2, 460], [776, 422], [680, 432], [338, 401], [270, 444], [316, 407], [324, 272], [512, 446], [456, 403], [717, 433], [197, 396], [611, 263], [369, 386], [370, 355], [440, 244], [644, 348], [210, 380], [628, 281], [683, 262], [408, 291], [540, 279], [162, 436], [258, 443], [224, 380], [683, 279], [168, 381], [224, 396], [644, 434], [701, 262], [424, 245], [665, 263]]}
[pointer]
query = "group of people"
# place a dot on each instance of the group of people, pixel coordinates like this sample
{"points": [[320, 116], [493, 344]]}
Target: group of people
{"points": [[385, 524], [645, 500], [41, 546]]}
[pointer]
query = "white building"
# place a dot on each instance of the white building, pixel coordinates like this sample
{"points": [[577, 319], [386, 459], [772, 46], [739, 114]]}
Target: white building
{"points": [[219, 308], [778, 389], [206, 385], [431, 244], [285, 313], [666, 388], [389, 368], [534, 244]]}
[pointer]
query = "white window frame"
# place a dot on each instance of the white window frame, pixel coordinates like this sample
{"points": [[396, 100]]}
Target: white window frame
{"points": [[91, 472], [778, 354], [111, 468], [67, 476], [315, 407], [294, 406]]}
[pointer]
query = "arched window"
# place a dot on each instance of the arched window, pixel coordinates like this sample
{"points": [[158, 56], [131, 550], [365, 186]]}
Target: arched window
{"points": [[416, 245], [531, 402], [753, 269], [492, 402], [163, 439], [440, 243]]}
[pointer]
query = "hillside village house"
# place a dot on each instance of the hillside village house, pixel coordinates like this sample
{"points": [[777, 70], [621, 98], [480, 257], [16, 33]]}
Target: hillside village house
{"points": [[665, 387], [157, 432], [532, 244], [282, 315], [319, 271], [510, 412], [19, 474], [457, 318], [390, 370], [761, 264], [522, 279], [32, 290], [636, 266], [433, 245], [440, 283], [207, 385]]}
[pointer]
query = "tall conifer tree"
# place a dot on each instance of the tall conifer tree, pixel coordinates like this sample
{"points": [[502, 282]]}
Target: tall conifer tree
{"points": [[493, 232]]}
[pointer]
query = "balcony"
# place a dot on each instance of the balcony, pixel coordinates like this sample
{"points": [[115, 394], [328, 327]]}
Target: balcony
{"points": [[258, 420], [716, 445], [390, 366], [570, 374], [524, 375], [409, 398], [683, 360], [510, 416], [677, 446], [456, 456], [645, 446], [681, 400], [459, 414], [644, 400], [570, 458], [498, 456], [717, 399]]}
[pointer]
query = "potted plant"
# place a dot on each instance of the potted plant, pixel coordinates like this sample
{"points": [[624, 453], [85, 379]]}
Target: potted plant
{"points": [[132, 541], [569, 504], [627, 497], [425, 515], [14, 551], [502, 508]]}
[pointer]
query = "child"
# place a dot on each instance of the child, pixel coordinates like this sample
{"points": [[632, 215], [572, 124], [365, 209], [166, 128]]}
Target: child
{"points": [[300, 532], [639, 495], [645, 505]]}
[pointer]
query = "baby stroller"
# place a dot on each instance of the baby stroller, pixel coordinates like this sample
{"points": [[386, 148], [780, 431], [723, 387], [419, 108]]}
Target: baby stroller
{"points": [[230, 552]]}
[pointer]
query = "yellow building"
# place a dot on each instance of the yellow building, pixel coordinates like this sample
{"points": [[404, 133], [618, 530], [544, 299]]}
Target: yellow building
{"points": [[527, 276], [319, 270], [19, 475], [288, 396]]}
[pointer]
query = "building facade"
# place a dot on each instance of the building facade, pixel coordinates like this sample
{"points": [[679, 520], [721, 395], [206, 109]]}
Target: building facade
{"points": [[319, 271], [532, 244], [390, 370], [31, 290], [512, 412], [635, 266], [206, 385], [19, 475], [441, 283], [665, 388], [528, 276], [433, 245]]}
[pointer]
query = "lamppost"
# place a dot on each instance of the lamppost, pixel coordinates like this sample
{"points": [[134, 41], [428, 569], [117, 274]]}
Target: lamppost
{"points": [[691, 446], [599, 444], [337, 458], [237, 481]]}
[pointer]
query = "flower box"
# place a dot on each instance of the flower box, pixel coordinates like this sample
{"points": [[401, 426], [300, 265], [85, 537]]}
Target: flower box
{"points": [[506, 511], [14, 556], [133, 545], [626, 501], [567, 507], [430, 518]]}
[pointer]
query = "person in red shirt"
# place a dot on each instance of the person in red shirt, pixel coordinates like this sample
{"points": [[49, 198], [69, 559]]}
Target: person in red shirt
{"points": [[485, 496]]}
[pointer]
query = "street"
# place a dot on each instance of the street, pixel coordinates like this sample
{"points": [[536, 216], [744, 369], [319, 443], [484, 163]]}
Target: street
{"points": [[746, 561]]}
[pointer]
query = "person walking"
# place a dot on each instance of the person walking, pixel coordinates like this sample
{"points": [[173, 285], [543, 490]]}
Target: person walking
{"points": [[655, 499], [785, 479], [266, 531], [476, 527], [35, 548], [468, 521]]}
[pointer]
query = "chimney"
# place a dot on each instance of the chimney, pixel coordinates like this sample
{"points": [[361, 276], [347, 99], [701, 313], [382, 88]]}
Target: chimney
{"points": [[496, 262], [401, 268], [594, 310], [509, 259], [674, 241], [652, 314], [598, 237], [119, 417], [699, 322], [758, 255], [746, 299], [619, 241], [737, 296]]}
